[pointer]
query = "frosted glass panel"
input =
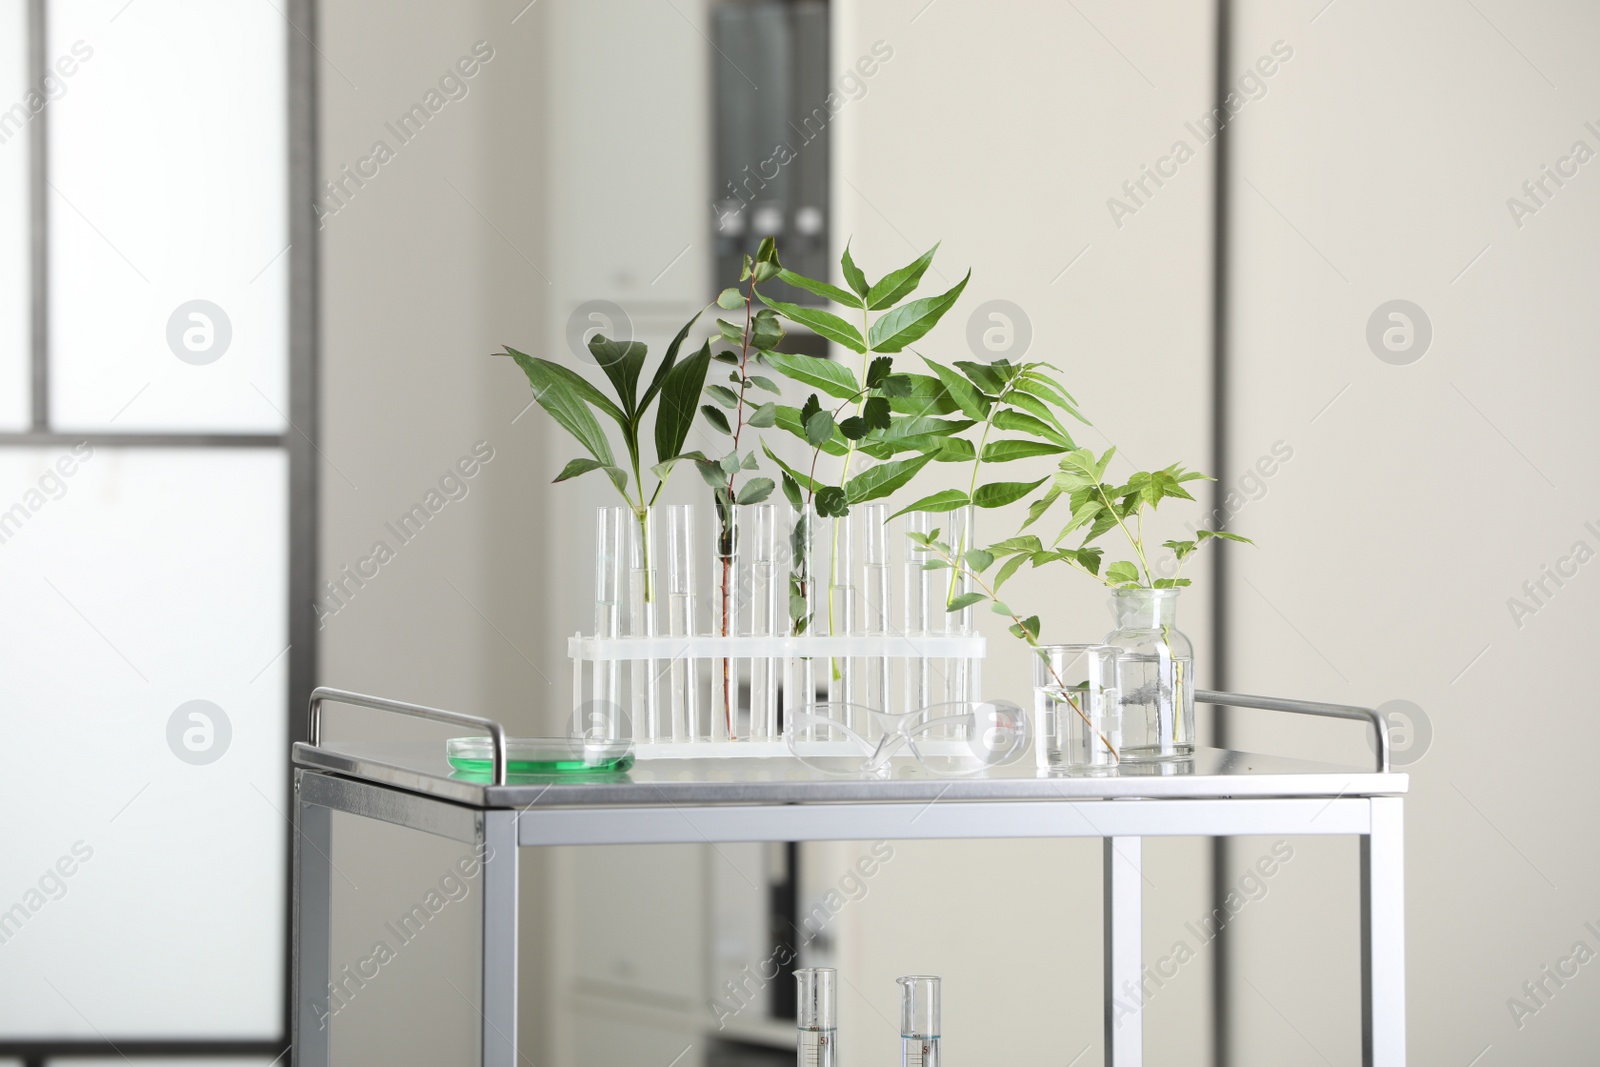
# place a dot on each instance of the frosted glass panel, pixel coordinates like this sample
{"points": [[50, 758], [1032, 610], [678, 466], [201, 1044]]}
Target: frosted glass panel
{"points": [[142, 702], [15, 290], [168, 216]]}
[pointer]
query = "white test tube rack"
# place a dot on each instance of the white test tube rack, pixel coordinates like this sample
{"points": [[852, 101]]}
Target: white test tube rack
{"points": [[915, 645]]}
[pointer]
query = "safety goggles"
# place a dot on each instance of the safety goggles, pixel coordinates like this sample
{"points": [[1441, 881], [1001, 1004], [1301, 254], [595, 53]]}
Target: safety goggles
{"points": [[949, 740]]}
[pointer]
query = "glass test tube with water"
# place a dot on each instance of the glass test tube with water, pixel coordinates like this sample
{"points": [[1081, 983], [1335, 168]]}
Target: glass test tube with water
{"points": [[644, 592], [919, 1020], [766, 580], [816, 1018], [800, 688], [683, 678], [958, 534], [919, 594], [601, 716], [725, 552], [876, 600], [842, 619]]}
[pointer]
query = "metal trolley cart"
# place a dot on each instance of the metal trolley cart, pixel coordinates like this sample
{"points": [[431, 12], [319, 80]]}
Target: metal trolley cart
{"points": [[1223, 794]]}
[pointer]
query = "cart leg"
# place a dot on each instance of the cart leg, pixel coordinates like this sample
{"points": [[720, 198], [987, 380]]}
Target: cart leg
{"points": [[499, 982], [313, 906], [1124, 951], [1383, 937]]}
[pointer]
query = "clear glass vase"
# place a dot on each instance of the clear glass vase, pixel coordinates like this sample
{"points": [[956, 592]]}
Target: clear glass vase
{"points": [[1077, 712], [1155, 676]]}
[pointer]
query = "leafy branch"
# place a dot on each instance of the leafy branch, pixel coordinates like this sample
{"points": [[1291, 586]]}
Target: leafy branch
{"points": [[975, 562]]}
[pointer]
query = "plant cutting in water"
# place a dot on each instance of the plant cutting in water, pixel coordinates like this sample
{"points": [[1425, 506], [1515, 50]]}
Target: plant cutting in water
{"points": [[572, 401], [754, 341], [889, 413]]}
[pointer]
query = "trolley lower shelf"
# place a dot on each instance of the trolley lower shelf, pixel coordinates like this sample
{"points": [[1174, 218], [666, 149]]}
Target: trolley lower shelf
{"points": [[1220, 794]]}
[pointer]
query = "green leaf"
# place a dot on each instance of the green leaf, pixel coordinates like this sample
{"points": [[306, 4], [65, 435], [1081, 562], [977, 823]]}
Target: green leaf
{"points": [[566, 398], [854, 428], [897, 285], [716, 418], [825, 323], [999, 494], [819, 428], [621, 361], [876, 413], [1007, 569], [761, 382], [792, 421], [1021, 543], [943, 500], [878, 370], [965, 600], [1225, 535], [926, 396], [832, 378], [756, 490], [763, 416], [1027, 630], [1036, 407], [680, 390], [822, 289], [1006, 451], [972, 403], [1040, 506], [852, 273], [723, 395], [731, 332], [984, 376], [576, 467], [896, 385], [730, 299], [883, 479], [1010, 419], [1122, 573], [791, 491], [979, 560], [1170, 583], [1181, 549], [831, 502], [909, 322], [668, 361]]}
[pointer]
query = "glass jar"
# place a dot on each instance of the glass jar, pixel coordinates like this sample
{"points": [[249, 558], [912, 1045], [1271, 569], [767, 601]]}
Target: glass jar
{"points": [[1155, 676], [1077, 725]]}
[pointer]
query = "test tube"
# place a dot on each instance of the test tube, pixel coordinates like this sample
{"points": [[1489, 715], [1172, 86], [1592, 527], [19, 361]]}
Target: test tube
{"points": [[919, 607], [919, 1020], [842, 618], [816, 1018], [875, 600], [607, 700], [725, 623], [765, 585], [958, 534], [643, 594], [680, 620], [800, 688]]}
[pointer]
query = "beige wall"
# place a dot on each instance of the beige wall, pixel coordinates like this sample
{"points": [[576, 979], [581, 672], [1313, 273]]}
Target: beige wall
{"points": [[1421, 500]]}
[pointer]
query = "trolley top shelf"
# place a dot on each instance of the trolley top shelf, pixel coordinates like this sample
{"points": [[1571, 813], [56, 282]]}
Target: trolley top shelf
{"points": [[420, 767]]}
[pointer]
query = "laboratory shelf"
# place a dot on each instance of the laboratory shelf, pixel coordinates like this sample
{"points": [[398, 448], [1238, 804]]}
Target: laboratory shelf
{"points": [[1219, 793]]}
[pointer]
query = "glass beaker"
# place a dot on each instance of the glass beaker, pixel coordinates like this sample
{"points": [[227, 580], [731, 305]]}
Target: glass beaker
{"points": [[1155, 676], [1077, 714]]}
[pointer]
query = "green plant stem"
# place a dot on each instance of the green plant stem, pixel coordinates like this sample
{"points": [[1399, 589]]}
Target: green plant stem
{"points": [[1033, 642]]}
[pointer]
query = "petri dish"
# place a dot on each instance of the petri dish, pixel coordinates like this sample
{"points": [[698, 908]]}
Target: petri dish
{"points": [[474, 756]]}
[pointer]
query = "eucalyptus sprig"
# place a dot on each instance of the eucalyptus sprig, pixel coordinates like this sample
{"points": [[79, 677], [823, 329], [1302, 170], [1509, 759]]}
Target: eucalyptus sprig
{"points": [[572, 401]]}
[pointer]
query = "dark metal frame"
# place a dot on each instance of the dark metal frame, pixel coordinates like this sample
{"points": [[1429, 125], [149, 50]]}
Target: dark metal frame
{"points": [[297, 440]]}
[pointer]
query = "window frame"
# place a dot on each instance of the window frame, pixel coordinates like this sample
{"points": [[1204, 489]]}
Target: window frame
{"points": [[298, 441]]}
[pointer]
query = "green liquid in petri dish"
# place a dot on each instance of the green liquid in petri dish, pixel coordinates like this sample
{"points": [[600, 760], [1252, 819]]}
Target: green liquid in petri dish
{"points": [[484, 768]]}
